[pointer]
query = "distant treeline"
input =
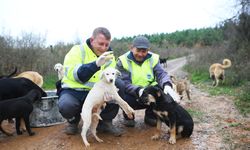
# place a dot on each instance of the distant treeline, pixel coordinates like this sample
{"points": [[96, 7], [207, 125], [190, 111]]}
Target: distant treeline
{"points": [[185, 38], [163, 42]]}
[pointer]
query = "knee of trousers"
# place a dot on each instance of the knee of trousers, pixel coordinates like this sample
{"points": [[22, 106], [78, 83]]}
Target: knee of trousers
{"points": [[69, 106], [121, 86]]}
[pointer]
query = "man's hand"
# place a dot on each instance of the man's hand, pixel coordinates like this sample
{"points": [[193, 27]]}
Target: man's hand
{"points": [[105, 57], [108, 97], [172, 93]]}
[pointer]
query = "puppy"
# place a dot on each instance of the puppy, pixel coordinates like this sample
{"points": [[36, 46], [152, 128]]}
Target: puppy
{"points": [[167, 110], [18, 108], [180, 86], [17, 87], [59, 69], [33, 76], [103, 91], [217, 72]]}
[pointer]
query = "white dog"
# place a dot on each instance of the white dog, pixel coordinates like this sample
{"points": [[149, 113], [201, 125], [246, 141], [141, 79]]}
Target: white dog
{"points": [[103, 91], [59, 69]]}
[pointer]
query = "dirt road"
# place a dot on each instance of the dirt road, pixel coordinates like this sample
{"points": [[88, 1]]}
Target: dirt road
{"points": [[218, 125]]}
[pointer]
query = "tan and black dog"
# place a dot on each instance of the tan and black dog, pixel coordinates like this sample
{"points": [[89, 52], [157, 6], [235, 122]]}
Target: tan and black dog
{"points": [[18, 108], [217, 72], [180, 86], [167, 110]]}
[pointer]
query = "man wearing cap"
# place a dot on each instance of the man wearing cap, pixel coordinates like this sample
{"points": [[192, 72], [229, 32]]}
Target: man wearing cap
{"points": [[141, 68]]}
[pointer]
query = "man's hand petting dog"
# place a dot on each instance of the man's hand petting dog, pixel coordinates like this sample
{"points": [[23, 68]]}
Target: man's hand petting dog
{"points": [[172, 93]]}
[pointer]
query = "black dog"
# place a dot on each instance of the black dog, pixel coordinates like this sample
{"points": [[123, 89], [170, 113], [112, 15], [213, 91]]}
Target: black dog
{"points": [[167, 110], [18, 108], [17, 87]]}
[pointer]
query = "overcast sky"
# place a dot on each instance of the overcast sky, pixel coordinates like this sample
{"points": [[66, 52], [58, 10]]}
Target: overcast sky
{"points": [[65, 20]]}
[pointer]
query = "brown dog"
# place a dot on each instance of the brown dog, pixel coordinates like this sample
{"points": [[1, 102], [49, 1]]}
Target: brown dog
{"points": [[217, 72], [33, 76], [180, 86]]}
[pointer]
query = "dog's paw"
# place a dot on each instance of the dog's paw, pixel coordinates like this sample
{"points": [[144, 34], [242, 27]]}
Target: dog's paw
{"points": [[87, 144], [172, 140], [19, 132], [155, 137], [32, 133], [99, 140]]}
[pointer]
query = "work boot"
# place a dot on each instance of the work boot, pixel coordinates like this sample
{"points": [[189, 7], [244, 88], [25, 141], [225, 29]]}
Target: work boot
{"points": [[150, 121], [108, 127], [129, 123], [72, 129]]}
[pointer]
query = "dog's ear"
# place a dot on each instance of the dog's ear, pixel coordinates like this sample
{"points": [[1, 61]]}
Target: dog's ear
{"points": [[158, 91], [102, 75], [173, 78]]}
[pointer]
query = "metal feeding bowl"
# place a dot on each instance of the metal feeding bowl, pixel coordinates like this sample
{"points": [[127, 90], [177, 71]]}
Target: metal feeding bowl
{"points": [[45, 112]]}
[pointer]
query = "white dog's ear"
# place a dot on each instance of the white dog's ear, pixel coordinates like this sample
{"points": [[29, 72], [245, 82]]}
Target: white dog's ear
{"points": [[102, 75]]}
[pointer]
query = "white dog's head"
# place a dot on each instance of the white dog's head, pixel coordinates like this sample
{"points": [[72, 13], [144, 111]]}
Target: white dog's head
{"points": [[58, 67], [109, 75]]}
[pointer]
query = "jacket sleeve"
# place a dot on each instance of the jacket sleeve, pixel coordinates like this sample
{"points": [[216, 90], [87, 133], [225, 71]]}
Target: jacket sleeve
{"points": [[126, 77], [75, 70], [162, 76]]}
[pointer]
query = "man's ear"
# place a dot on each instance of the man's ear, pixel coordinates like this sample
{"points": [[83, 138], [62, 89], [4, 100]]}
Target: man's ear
{"points": [[158, 91]]}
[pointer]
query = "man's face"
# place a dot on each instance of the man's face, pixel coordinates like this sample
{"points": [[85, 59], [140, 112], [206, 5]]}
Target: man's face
{"points": [[139, 53], [99, 44]]}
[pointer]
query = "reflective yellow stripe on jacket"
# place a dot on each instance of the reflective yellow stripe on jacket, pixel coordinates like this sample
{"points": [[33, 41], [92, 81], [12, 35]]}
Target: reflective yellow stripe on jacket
{"points": [[141, 75], [78, 55]]}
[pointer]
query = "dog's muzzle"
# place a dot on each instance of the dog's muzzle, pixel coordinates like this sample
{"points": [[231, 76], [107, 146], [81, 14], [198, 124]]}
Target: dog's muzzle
{"points": [[111, 80]]}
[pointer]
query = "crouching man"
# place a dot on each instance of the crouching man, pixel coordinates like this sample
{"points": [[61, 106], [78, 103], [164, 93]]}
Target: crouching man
{"points": [[83, 65], [140, 68]]}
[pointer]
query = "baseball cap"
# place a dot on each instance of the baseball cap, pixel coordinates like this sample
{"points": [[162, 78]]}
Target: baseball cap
{"points": [[141, 42]]}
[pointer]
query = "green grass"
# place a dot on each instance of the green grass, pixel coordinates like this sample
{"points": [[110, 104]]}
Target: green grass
{"points": [[240, 92], [195, 113], [49, 82]]}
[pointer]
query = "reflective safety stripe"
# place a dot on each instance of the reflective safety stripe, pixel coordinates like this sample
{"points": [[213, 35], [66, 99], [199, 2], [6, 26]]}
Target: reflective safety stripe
{"points": [[75, 73], [151, 62], [83, 52]]}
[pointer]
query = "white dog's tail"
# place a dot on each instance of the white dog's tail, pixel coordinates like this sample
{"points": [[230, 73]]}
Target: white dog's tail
{"points": [[226, 63]]}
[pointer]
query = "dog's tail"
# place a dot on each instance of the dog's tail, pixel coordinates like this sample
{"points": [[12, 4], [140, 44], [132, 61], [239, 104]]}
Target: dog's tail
{"points": [[226, 63], [9, 75]]}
